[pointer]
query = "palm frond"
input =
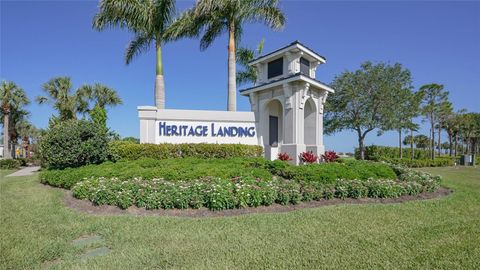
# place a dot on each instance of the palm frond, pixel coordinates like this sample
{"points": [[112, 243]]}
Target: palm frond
{"points": [[244, 55], [186, 25], [104, 95], [214, 29], [247, 76], [139, 44], [12, 96], [131, 14], [164, 14]]}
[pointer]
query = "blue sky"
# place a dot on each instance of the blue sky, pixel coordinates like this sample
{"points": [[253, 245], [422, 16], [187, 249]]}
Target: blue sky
{"points": [[438, 41]]}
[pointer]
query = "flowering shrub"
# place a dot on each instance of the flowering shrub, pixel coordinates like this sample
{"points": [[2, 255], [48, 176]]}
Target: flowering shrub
{"points": [[284, 157], [308, 157], [330, 156], [238, 192]]}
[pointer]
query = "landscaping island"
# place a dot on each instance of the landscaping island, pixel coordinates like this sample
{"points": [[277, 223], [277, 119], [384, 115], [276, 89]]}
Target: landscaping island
{"points": [[199, 179]]}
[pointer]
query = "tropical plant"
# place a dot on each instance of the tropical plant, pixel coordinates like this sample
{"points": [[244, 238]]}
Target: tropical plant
{"points": [[452, 126], [244, 56], [422, 141], [102, 96], [330, 156], [308, 157], [60, 96], [148, 20], [12, 99], [445, 111], [26, 132], [284, 157], [363, 99], [214, 17], [470, 130], [434, 99]]}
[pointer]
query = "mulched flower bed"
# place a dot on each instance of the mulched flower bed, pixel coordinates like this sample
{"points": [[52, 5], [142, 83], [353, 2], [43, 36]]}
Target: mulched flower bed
{"points": [[85, 206]]}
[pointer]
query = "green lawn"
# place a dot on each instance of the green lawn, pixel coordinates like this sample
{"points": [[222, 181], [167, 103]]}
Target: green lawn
{"points": [[37, 231]]}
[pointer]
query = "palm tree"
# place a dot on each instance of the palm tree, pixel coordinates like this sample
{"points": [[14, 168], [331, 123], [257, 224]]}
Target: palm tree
{"points": [[244, 56], [101, 94], [445, 111], [422, 141], [148, 20], [59, 94], [214, 17], [26, 130], [434, 99], [12, 97]]}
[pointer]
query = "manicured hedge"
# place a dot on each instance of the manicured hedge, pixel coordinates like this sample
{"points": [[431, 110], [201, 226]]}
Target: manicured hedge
{"points": [[6, 164], [418, 163], [133, 151], [238, 192], [376, 152], [195, 168]]}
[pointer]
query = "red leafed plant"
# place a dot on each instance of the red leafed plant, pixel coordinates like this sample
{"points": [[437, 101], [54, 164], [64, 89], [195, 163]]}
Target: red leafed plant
{"points": [[283, 157], [330, 156], [308, 157]]}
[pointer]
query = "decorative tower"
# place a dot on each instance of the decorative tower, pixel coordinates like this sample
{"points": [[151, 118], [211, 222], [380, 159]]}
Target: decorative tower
{"points": [[288, 101]]}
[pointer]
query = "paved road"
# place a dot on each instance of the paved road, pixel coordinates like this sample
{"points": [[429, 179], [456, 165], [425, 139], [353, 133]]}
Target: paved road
{"points": [[25, 171]]}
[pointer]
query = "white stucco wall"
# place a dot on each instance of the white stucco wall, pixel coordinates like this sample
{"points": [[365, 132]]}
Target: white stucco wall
{"points": [[197, 126]]}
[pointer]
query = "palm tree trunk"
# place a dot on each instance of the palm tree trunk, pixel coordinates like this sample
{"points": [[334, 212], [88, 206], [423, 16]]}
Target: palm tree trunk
{"points": [[456, 139], [450, 145], [432, 138], [232, 84], [159, 81], [439, 140], [6, 139], [411, 145], [400, 142]]}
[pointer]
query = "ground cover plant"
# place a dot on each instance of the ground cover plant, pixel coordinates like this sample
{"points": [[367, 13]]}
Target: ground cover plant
{"points": [[38, 229], [220, 184]]}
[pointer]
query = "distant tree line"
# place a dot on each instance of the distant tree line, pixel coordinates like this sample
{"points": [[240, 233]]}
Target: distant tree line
{"points": [[381, 97]]}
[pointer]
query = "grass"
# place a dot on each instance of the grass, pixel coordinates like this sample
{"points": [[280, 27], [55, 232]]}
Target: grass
{"points": [[37, 230]]}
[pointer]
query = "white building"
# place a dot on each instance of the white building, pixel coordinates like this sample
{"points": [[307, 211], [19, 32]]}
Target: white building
{"points": [[287, 110]]}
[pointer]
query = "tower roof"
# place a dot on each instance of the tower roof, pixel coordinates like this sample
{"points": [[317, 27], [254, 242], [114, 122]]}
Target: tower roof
{"points": [[296, 45]]}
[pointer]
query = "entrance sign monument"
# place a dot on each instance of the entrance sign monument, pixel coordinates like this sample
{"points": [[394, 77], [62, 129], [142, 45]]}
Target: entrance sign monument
{"points": [[286, 110]]}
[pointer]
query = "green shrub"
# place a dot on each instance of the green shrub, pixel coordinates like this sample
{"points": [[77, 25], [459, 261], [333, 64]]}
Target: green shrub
{"points": [[418, 163], [376, 152], [7, 164], [330, 172], [133, 151], [168, 169], [73, 143], [196, 168], [23, 161]]}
